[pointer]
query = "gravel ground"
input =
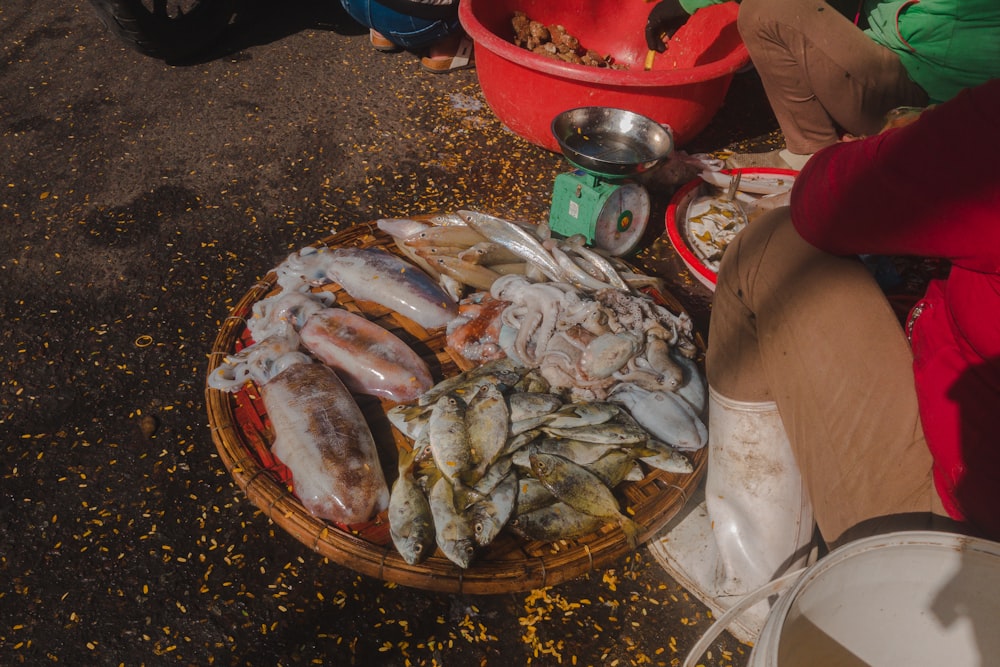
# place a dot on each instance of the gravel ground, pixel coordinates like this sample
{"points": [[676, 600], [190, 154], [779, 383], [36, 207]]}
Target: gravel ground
{"points": [[138, 202]]}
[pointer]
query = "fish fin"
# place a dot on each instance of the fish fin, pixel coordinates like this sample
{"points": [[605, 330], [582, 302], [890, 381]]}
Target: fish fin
{"points": [[631, 529], [465, 496]]}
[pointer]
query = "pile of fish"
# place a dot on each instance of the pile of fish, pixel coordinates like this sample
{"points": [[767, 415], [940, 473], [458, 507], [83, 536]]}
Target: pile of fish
{"points": [[580, 382], [492, 447]]}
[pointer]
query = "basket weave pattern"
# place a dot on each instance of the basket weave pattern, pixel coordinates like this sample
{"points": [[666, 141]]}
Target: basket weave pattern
{"points": [[242, 434]]}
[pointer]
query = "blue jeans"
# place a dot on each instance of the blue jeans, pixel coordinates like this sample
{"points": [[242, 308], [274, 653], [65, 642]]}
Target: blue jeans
{"points": [[409, 32]]}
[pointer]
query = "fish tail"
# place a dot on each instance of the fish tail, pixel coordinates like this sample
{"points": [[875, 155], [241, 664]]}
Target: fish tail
{"points": [[631, 530]]}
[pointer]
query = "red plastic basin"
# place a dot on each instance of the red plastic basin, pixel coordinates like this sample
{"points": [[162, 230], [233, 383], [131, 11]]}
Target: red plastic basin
{"points": [[684, 89]]}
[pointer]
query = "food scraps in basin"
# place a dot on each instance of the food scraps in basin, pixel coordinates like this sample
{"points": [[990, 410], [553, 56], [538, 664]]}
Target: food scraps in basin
{"points": [[554, 42]]}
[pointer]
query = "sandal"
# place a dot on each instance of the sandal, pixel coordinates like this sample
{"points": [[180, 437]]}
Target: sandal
{"points": [[463, 58], [381, 43]]}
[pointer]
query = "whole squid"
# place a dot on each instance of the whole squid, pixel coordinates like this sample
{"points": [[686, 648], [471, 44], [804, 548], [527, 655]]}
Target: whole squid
{"points": [[320, 433], [368, 358], [371, 274]]}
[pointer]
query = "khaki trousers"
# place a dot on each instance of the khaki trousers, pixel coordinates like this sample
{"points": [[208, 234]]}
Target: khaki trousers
{"points": [[814, 333], [821, 73]]}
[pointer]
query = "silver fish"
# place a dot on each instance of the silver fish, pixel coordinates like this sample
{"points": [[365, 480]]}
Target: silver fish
{"points": [[525, 405], [617, 466], [608, 433], [401, 228], [667, 458], [449, 439], [583, 491], [411, 420], [489, 254], [453, 531], [578, 451], [531, 495], [596, 259], [517, 239], [575, 415], [487, 420], [490, 514], [457, 236], [693, 389], [411, 524], [554, 522], [502, 371], [665, 415], [573, 272]]}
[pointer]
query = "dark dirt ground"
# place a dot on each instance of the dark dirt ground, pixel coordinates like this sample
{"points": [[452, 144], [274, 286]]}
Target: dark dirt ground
{"points": [[138, 202]]}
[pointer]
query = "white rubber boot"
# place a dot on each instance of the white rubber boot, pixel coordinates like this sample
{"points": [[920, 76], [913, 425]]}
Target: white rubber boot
{"points": [[754, 522]]}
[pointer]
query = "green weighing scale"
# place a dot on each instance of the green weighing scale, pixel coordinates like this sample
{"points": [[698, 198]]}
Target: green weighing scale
{"points": [[607, 146]]}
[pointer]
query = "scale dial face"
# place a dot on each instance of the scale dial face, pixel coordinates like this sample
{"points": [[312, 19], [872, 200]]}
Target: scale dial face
{"points": [[622, 220]]}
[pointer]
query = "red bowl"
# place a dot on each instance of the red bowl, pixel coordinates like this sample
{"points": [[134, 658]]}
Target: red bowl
{"points": [[684, 89], [677, 215]]}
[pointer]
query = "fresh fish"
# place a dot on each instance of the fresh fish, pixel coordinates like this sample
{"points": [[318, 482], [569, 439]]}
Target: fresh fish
{"points": [[453, 530], [411, 524], [411, 420], [490, 514], [583, 491], [517, 239], [531, 495], [488, 253], [602, 263], [579, 452], [502, 371], [609, 433], [474, 275], [617, 466], [449, 439], [693, 389], [667, 458], [554, 522], [575, 415], [485, 485], [458, 236], [367, 357], [665, 415], [572, 271], [527, 405], [520, 439], [401, 228], [487, 420]]}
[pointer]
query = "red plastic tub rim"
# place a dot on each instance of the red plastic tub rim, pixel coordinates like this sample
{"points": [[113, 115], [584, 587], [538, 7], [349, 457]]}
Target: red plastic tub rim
{"points": [[484, 38], [673, 226]]}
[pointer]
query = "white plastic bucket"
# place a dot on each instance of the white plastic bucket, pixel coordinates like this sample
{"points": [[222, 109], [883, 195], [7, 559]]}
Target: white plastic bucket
{"points": [[904, 598]]}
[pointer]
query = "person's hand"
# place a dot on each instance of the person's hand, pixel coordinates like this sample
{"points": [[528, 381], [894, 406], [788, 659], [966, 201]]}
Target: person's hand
{"points": [[664, 20], [901, 117]]}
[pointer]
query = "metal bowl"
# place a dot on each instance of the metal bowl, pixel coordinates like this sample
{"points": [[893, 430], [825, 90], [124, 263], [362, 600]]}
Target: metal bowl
{"points": [[611, 142]]}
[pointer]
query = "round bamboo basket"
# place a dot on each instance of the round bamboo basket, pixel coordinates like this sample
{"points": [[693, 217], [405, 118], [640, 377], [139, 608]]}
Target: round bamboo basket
{"points": [[241, 432]]}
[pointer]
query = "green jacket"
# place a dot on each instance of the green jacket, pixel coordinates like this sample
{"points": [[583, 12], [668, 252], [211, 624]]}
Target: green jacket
{"points": [[945, 45]]}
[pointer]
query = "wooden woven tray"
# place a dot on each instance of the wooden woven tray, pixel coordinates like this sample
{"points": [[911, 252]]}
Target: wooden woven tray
{"points": [[241, 432]]}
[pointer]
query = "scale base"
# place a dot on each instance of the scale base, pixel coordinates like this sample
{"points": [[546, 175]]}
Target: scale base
{"points": [[611, 216]]}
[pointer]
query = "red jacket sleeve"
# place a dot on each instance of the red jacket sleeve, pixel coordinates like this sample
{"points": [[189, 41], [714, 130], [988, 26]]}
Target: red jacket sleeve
{"points": [[928, 189]]}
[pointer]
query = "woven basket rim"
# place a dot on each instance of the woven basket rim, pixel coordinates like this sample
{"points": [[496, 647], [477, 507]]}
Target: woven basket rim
{"points": [[514, 565]]}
